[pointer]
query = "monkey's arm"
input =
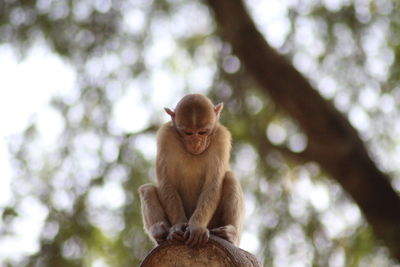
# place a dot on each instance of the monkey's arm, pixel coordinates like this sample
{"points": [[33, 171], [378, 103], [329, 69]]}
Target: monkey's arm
{"points": [[196, 233], [172, 203], [208, 200], [175, 212]]}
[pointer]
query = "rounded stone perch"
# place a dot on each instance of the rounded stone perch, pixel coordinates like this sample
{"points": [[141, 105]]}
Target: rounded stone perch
{"points": [[216, 253]]}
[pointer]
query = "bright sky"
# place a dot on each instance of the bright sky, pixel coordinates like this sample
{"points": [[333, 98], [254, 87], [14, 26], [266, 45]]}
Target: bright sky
{"points": [[25, 90]]}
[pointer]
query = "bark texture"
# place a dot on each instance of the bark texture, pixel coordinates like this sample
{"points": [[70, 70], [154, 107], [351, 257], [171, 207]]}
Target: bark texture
{"points": [[216, 253], [332, 141]]}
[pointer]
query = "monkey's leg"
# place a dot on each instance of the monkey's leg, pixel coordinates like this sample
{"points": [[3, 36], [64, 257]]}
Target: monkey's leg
{"points": [[155, 220], [228, 219]]}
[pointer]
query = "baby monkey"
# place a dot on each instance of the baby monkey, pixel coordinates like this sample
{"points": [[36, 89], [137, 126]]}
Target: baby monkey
{"points": [[197, 194]]}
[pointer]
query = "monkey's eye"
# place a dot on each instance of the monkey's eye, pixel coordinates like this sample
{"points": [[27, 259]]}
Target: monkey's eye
{"points": [[202, 132], [188, 133]]}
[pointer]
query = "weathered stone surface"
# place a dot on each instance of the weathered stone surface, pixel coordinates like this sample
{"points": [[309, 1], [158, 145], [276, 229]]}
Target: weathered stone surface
{"points": [[216, 253]]}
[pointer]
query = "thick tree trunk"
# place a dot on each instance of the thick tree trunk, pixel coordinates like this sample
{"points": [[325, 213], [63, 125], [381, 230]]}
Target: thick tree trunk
{"points": [[332, 141], [216, 253]]}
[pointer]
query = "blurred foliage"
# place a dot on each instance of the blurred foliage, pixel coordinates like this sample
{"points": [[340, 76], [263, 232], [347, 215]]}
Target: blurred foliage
{"points": [[84, 184]]}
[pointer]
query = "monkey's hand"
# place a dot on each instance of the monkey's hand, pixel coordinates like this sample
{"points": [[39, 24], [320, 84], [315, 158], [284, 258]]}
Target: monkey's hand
{"points": [[227, 232], [196, 236], [177, 231], [159, 231]]}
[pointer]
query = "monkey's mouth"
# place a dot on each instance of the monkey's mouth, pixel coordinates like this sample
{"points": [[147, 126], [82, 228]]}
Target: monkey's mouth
{"points": [[196, 150], [197, 146]]}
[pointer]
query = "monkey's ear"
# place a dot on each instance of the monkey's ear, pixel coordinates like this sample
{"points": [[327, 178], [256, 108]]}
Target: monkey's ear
{"points": [[218, 108], [170, 112]]}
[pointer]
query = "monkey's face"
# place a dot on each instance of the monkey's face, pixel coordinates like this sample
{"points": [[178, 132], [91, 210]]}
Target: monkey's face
{"points": [[194, 119], [196, 141]]}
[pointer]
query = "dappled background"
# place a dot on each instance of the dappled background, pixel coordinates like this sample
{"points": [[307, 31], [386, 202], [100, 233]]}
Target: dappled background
{"points": [[91, 79]]}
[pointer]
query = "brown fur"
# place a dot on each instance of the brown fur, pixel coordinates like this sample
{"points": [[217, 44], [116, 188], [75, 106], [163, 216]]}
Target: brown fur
{"points": [[194, 191]]}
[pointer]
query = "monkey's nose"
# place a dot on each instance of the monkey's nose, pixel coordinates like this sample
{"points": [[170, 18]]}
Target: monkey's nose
{"points": [[196, 145]]}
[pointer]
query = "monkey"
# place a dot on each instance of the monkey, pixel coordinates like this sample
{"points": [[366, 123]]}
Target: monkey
{"points": [[197, 194]]}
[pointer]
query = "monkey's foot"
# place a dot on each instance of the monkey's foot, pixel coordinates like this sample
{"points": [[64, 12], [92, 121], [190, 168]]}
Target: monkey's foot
{"points": [[159, 231], [227, 232], [177, 231]]}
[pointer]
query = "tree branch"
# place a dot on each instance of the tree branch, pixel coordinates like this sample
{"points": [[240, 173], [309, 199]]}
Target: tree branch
{"points": [[332, 141]]}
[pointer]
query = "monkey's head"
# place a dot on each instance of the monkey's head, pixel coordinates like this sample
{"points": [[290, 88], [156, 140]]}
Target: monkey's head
{"points": [[195, 118]]}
